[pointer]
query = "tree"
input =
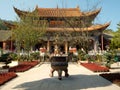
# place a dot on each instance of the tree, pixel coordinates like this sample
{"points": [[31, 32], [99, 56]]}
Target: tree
{"points": [[82, 38], [115, 42], [28, 31], [2, 26], [108, 31]]}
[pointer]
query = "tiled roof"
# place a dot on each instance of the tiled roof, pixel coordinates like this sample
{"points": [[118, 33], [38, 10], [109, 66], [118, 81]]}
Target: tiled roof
{"points": [[59, 12], [9, 25], [5, 35], [64, 12], [91, 28]]}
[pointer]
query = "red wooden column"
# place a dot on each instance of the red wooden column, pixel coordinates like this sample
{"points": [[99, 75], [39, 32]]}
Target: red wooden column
{"points": [[66, 47], [4, 45], [102, 42], [48, 46], [11, 45]]}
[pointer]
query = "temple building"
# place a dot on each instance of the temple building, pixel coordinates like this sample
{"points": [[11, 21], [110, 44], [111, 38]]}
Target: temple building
{"points": [[6, 42], [68, 21], [5, 39]]}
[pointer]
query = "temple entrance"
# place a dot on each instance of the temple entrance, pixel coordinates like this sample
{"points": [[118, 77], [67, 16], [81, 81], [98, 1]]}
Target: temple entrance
{"points": [[62, 49], [78, 47], [1, 45], [37, 46], [52, 49]]}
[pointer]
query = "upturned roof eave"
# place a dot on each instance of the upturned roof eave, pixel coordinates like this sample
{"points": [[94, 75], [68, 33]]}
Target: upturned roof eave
{"points": [[91, 28]]}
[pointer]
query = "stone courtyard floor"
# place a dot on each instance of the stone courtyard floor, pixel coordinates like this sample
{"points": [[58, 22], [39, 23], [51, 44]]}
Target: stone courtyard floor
{"points": [[38, 78]]}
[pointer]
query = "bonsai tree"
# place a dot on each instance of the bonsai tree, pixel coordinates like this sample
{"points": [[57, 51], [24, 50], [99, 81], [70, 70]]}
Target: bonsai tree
{"points": [[6, 59]]}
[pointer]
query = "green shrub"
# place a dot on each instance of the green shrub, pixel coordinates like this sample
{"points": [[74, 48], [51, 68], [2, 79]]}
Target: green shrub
{"points": [[74, 58], [6, 58], [35, 56], [23, 57], [81, 55], [14, 56]]}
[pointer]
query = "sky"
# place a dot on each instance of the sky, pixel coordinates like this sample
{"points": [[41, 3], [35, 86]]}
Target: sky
{"points": [[110, 9]]}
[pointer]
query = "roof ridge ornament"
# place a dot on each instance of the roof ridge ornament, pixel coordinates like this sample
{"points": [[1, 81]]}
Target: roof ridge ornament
{"points": [[36, 6], [78, 7], [57, 6]]}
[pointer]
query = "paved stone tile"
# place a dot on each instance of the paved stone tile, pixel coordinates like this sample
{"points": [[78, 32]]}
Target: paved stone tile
{"points": [[38, 78]]}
